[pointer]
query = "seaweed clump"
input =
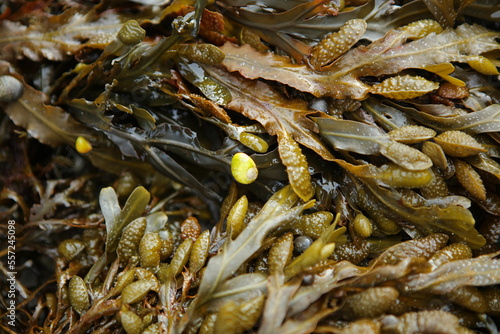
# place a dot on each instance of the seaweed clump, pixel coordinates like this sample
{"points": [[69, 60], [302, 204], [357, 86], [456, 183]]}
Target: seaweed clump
{"points": [[250, 167]]}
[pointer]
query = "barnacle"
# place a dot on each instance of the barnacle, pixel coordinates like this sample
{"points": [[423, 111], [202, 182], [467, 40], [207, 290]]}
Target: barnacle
{"points": [[335, 44], [404, 87], [458, 144], [243, 168]]}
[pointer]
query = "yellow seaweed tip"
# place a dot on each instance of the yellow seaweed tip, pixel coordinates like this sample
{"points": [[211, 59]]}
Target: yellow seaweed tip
{"points": [[243, 168], [82, 145]]}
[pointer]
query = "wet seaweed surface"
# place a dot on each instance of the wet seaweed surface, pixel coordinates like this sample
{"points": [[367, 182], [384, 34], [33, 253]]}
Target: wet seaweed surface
{"points": [[195, 166]]}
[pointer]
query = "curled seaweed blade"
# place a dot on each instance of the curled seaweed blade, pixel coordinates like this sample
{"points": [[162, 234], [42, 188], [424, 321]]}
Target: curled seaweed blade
{"points": [[483, 121], [117, 219], [277, 302], [213, 90], [368, 139], [423, 247], [444, 70], [456, 221], [390, 174], [436, 154], [307, 324], [479, 271], [351, 135], [485, 163]]}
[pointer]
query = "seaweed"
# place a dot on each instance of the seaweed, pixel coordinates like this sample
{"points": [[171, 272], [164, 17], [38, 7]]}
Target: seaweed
{"points": [[249, 166]]}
